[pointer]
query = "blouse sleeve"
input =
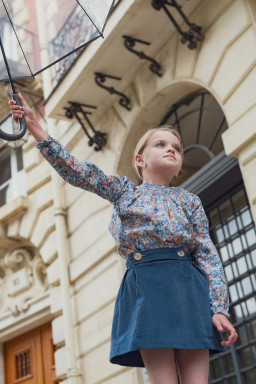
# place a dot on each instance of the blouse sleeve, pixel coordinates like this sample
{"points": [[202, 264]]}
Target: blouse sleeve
{"points": [[81, 174], [207, 258]]}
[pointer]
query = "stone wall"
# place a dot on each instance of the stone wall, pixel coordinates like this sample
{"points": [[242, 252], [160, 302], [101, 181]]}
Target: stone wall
{"points": [[224, 64]]}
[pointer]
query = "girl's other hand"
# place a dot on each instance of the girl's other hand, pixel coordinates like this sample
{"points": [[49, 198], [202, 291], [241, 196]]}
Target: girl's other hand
{"points": [[221, 322]]}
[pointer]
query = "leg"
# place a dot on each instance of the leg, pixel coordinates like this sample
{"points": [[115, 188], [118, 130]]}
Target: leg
{"points": [[160, 365], [193, 365]]}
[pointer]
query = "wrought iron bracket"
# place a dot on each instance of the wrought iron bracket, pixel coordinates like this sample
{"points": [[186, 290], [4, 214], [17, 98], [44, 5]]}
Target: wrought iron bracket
{"points": [[100, 78], [130, 42], [77, 110], [193, 33]]}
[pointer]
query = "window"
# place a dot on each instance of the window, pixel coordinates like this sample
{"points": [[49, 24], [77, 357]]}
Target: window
{"points": [[12, 174], [23, 364], [234, 233]]}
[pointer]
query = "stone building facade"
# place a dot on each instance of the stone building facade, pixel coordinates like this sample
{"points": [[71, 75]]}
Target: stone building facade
{"points": [[58, 262]]}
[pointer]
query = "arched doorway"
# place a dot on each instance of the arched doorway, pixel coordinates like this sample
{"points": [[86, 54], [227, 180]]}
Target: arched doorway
{"points": [[200, 122], [217, 180]]}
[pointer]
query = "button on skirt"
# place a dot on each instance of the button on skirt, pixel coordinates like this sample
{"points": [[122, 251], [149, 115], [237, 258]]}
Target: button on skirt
{"points": [[163, 301]]}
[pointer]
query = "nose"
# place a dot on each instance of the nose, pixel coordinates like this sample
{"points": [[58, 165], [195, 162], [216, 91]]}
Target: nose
{"points": [[170, 149]]}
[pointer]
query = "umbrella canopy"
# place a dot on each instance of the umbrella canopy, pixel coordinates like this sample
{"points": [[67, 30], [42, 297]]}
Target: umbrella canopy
{"points": [[72, 25]]}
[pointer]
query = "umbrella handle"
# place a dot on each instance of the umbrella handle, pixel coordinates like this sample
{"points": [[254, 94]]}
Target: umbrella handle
{"points": [[22, 125]]}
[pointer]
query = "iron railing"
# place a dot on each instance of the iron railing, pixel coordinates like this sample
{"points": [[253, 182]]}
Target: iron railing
{"points": [[69, 34]]}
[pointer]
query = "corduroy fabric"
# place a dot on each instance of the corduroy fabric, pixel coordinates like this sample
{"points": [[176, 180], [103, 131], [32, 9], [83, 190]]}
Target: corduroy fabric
{"points": [[163, 301]]}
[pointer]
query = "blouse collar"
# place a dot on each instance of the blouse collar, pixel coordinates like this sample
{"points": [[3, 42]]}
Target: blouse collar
{"points": [[154, 185]]}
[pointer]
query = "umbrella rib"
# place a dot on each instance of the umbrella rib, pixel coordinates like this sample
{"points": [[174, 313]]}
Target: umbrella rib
{"points": [[7, 66], [110, 10], [63, 57], [17, 38], [89, 17]]}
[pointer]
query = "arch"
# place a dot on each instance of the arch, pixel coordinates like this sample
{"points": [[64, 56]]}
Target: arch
{"points": [[151, 114]]}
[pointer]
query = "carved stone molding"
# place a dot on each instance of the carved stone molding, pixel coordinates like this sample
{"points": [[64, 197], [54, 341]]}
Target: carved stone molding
{"points": [[22, 278], [14, 209]]}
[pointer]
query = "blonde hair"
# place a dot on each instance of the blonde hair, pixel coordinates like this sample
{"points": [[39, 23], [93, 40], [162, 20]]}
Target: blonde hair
{"points": [[144, 139]]}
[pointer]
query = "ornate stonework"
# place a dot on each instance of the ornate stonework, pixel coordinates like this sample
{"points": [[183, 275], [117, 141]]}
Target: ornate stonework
{"points": [[22, 278]]}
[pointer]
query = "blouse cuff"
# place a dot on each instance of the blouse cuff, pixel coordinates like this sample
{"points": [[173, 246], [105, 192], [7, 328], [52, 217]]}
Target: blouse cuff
{"points": [[45, 142], [221, 311]]}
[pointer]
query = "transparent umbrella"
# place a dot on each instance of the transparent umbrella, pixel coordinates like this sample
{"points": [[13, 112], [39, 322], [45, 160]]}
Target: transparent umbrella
{"points": [[73, 24]]}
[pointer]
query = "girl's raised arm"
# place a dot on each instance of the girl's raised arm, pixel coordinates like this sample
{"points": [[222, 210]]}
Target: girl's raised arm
{"points": [[79, 174], [207, 258], [82, 174]]}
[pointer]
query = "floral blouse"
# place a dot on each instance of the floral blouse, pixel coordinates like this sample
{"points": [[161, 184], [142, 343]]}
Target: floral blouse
{"points": [[148, 216]]}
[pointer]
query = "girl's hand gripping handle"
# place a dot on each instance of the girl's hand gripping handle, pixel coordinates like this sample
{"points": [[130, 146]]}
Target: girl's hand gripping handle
{"points": [[22, 125], [23, 111]]}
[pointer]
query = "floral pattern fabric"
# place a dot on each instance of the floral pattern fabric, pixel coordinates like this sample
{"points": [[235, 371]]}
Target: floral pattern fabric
{"points": [[148, 216]]}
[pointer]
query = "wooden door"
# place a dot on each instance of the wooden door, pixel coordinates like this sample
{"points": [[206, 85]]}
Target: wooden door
{"points": [[29, 358]]}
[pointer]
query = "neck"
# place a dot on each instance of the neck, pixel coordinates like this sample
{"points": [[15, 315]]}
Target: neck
{"points": [[157, 180]]}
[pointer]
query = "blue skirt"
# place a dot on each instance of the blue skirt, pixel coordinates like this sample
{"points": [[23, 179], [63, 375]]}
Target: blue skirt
{"points": [[163, 301]]}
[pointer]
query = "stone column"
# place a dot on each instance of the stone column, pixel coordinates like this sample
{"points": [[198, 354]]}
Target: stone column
{"points": [[240, 141]]}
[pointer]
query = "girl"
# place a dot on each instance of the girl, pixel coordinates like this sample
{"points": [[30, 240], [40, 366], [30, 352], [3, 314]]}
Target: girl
{"points": [[173, 303]]}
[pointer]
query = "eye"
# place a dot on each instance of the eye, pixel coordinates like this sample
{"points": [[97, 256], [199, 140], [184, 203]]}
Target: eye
{"points": [[161, 144], [178, 149]]}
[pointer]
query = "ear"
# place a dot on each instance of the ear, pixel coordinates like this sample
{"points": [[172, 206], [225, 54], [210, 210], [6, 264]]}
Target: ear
{"points": [[139, 160]]}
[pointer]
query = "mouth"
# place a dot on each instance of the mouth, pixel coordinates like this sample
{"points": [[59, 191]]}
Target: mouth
{"points": [[173, 157]]}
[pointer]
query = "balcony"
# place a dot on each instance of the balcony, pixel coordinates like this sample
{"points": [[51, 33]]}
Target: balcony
{"points": [[76, 79], [70, 36]]}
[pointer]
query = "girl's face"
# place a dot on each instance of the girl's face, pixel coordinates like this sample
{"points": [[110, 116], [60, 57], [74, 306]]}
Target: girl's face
{"points": [[161, 158]]}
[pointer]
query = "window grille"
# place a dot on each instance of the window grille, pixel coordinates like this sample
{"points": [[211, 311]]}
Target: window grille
{"points": [[23, 365], [233, 232]]}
